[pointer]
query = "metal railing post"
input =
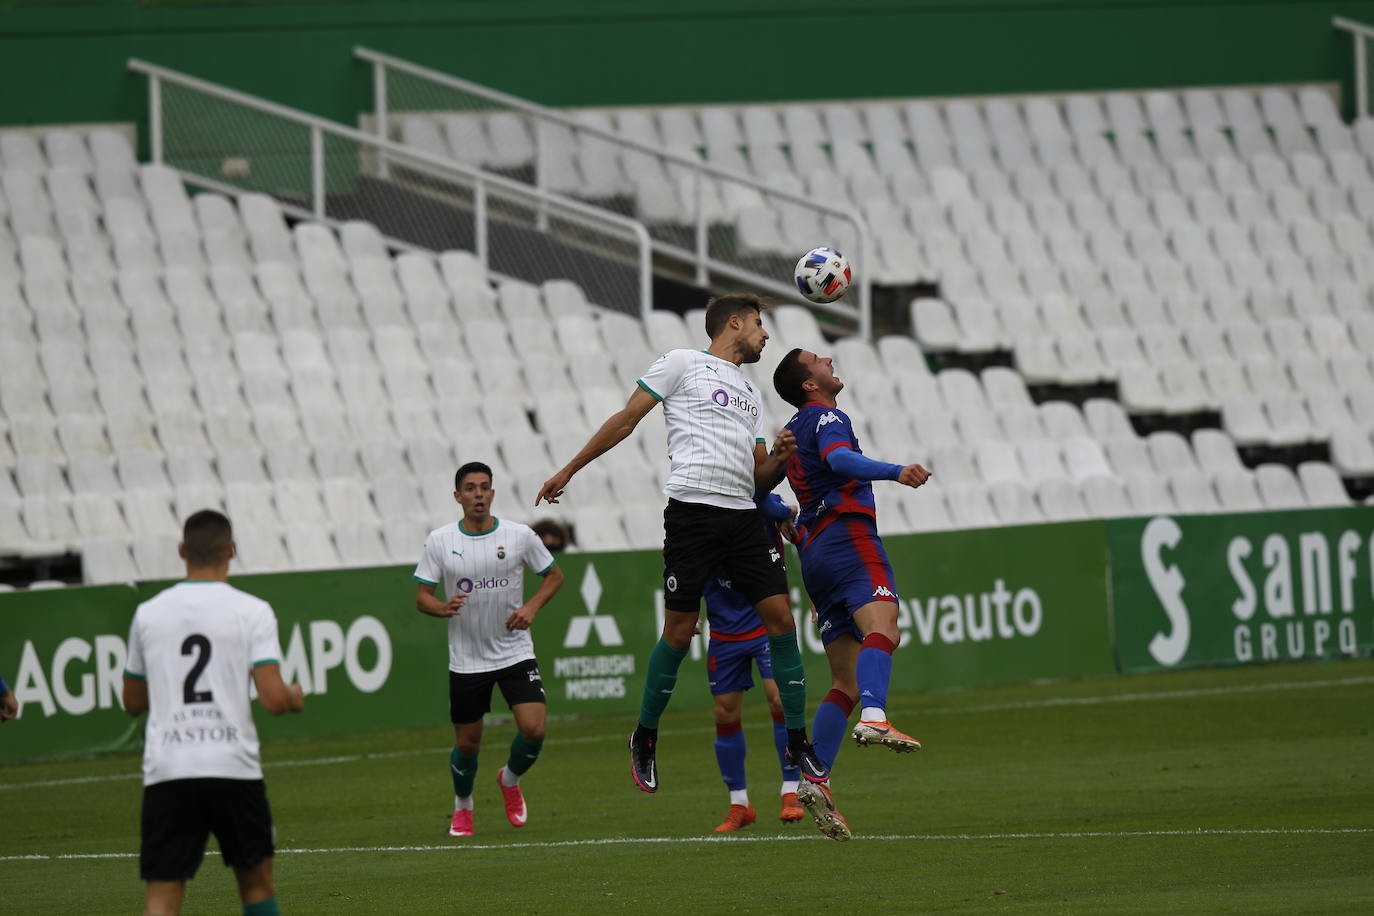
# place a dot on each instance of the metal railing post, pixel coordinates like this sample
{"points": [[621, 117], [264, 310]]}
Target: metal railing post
{"points": [[865, 284], [541, 181], [380, 101], [317, 171], [155, 118], [1361, 34], [646, 273], [702, 276], [479, 217], [1361, 76]]}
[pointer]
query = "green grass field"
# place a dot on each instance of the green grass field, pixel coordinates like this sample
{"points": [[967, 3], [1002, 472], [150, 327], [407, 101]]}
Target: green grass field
{"points": [[1243, 790]]}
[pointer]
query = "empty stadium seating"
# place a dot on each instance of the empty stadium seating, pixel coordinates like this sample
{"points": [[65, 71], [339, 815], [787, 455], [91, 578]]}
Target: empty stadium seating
{"points": [[1203, 251]]}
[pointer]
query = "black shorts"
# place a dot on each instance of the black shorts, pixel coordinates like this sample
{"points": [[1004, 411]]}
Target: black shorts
{"points": [[697, 538], [469, 695], [180, 814]]}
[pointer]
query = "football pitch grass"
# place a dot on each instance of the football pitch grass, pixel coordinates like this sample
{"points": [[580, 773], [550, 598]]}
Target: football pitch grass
{"points": [[1246, 790]]}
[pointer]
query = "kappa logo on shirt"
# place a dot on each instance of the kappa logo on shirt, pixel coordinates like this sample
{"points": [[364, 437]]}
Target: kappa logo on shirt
{"points": [[828, 417], [883, 591]]}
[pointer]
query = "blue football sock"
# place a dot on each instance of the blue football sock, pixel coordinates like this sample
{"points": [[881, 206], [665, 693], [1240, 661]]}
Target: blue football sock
{"points": [[730, 755], [789, 774], [832, 719], [874, 670]]}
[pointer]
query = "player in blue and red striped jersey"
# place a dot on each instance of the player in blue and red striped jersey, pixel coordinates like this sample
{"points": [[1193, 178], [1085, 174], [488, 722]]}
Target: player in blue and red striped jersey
{"points": [[844, 566], [739, 641]]}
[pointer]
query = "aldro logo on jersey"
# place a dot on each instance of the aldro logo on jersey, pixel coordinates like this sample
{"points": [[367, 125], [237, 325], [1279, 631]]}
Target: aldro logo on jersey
{"points": [[468, 586], [723, 398]]}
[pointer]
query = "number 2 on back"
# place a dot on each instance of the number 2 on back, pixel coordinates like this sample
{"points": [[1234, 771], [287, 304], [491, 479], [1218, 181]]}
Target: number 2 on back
{"points": [[189, 693]]}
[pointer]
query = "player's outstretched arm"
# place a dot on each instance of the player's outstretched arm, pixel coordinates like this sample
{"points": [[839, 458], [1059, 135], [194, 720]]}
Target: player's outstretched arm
{"points": [[426, 602], [913, 475], [617, 426], [849, 463], [275, 696], [771, 467]]}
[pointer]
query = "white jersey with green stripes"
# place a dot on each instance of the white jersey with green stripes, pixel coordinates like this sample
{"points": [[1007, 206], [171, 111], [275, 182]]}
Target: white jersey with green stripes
{"points": [[714, 417], [490, 569], [196, 645]]}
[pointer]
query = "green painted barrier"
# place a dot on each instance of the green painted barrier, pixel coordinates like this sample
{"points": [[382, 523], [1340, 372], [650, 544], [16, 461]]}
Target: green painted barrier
{"points": [[979, 607], [1236, 589]]}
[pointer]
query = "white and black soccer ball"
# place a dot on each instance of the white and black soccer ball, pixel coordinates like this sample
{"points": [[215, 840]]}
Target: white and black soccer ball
{"points": [[823, 275]]}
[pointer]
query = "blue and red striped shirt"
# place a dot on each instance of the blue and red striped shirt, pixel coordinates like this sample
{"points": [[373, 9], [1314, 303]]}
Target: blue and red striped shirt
{"points": [[823, 494]]}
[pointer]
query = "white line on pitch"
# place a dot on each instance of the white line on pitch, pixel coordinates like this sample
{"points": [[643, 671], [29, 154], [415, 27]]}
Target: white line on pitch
{"points": [[782, 838], [1140, 697]]}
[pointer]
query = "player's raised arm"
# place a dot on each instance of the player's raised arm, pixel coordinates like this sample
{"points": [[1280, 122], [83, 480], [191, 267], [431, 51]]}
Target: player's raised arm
{"points": [[771, 466], [617, 426]]}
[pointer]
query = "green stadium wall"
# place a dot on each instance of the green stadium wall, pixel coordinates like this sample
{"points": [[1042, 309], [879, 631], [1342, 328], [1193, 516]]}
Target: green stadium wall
{"points": [[979, 607], [65, 62]]}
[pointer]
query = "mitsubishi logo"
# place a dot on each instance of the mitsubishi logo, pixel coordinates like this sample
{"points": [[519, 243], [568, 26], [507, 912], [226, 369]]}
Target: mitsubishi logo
{"points": [[580, 628]]}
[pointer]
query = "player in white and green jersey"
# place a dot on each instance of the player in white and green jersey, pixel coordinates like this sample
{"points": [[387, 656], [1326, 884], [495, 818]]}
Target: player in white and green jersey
{"points": [[193, 650], [481, 562]]}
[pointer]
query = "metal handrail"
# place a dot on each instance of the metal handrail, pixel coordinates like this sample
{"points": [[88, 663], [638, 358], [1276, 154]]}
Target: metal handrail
{"points": [[481, 179], [1361, 33], [381, 62]]}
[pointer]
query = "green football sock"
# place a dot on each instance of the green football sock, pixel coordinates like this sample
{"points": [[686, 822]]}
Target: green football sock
{"points": [[523, 754], [266, 907], [790, 676], [659, 681], [463, 769]]}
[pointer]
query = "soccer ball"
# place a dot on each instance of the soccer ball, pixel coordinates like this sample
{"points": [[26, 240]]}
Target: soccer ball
{"points": [[823, 275]]}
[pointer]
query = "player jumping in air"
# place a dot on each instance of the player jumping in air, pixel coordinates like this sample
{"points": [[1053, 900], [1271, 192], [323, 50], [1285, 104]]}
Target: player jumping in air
{"points": [[719, 459], [844, 566], [481, 561], [738, 642]]}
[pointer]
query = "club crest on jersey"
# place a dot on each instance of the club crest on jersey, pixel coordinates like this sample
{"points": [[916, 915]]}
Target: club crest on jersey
{"points": [[671, 582], [773, 554], [500, 553], [827, 417]]}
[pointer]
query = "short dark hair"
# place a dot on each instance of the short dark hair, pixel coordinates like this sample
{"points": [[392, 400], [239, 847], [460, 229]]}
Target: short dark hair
{"points": [[721, 309], [551, 528], [789, 376], [207, 536], [472, 467]]}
